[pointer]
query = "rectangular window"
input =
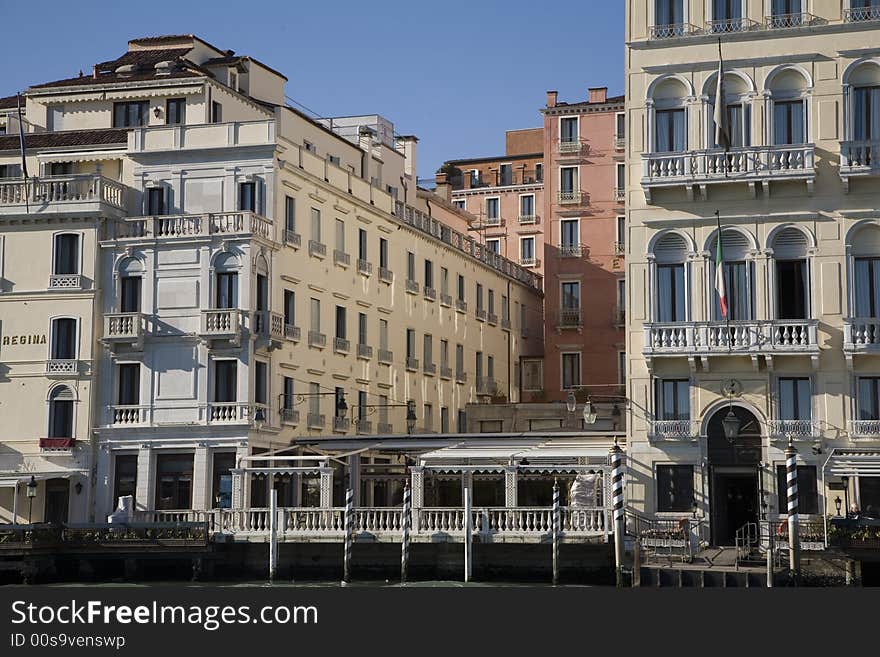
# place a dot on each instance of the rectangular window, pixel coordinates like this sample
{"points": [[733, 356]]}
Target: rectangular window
{"points": [[340, 322], [620, 119], [571, 295], [383, 334], [174, 476], [491, 305], [505, 308], [673, 399], [131, 115], [620, 183], [314, 398], [64, 338], [869, 398], [568, 180], [340, 235], [216, 112], [410, 266], [621, 231], [315, 307], [738, 282], [726, 10], [490, 367], [461, 422], [175, 111], [444, 353], [866, 113], [479, 296], [155, 201], [410, 343], [225, 381], [130, 294], [675, 488], [571, 370], [124, 475], [532, 375], [493, 245], [362, 328], [460, 287], [459, 359], [316, 225], [788, 122], [290, 214], [247, 197], [129, 384], [227, 290], [221, 494], [287, 402], [261, 382], [670, 293], [429, 273], [383, 253], [339, 398], [428, 350], [444, 419], [289, 308], [527, 205], [429, 418], [569, 233], [670, 128], [362, 244], [444, 280], [66, 253], [505, 174], [493, 211], [867, 287], [568, 129], [539, 172], [794, 399], [459, 203], [478, 365], [808, 489]]}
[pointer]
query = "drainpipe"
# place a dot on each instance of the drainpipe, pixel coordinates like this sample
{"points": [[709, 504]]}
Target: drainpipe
{"points": [[509, 347]]}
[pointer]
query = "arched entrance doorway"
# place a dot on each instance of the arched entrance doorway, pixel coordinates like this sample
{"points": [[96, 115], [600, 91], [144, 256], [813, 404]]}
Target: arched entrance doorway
{"points": [[733, 474]]}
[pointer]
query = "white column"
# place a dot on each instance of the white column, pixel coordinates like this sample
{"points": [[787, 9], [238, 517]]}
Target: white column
{"points": [[146, 476], [201, 478], [326, 487], [510, 492]]}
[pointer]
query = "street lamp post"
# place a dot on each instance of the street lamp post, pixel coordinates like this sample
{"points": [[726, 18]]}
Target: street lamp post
{"points": [[31, 494]]}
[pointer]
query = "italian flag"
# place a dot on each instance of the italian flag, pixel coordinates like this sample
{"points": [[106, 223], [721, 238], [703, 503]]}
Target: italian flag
{"points": [[719, 277]]}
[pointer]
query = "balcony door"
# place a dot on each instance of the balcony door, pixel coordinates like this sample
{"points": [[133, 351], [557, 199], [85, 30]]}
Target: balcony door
{"points": [[866, 113], [727, 10], [738, 277], [788, 122], [673, 400], [63, 339], [867, 287], [669, 12], [792, 289], [670, 130]]}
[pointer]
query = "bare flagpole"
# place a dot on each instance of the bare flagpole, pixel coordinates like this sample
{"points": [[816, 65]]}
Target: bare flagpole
{"points": [[24, 171]]}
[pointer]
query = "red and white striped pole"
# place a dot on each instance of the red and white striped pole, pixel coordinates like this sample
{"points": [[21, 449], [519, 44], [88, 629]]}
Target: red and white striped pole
{"points": [[791, 480], [617, 484]]}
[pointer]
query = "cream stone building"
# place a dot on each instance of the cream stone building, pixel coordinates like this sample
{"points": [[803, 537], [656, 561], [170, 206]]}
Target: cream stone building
{"points": [[797, 198], [242, 275]]}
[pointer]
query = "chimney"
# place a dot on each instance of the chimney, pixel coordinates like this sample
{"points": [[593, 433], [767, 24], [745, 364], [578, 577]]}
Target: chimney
{"points": [[552, 97], [95, 71], [443, 188], [598, 94]]}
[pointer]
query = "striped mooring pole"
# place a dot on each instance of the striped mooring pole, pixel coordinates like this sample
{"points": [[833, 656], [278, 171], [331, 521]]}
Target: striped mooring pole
{"points": [[791, 479], [617, 473], [349, 530], [406, 521], [555, 531], [273, 534]]}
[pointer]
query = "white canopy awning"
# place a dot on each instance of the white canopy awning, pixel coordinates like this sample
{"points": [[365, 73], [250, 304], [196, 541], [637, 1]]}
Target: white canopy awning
{"points": [[854, 462], [8, 480], [81, 156]]}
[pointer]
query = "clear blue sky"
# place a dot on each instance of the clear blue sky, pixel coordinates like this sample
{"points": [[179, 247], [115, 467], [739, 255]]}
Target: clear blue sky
{"points": [[456, 74]]}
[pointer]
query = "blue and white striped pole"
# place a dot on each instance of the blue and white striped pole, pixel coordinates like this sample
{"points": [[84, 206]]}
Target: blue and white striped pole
{"points": [[349, 531], [555, 529], [791, 480], [406, 521], [617, 483]]}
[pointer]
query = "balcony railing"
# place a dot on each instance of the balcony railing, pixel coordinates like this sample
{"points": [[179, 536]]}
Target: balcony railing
{"points": [[445, 372], [341, 258], [570, 146], [57, 446], [570, 250], [341, 424], [341, 345], [461, 306], [386, 357], [864, 429], [234, 412], [495, 179], [412, 364], [736, 165], [386, 275], [192, 225], [730, 25], [861, 335], [222, 323], [487, 386], [460, 376], [620, 194], [571, 197], [317, 339], [364, 351], [293, 239], [289, 416], [65, 282], [384, 428], [570, 317], [860, 14], [673, 31], [429, 368], [123, 327], [61, 193], [430, 294], [122, 415], [316, 420], [859, 158], [733, 338], [364, 427], [269, 325], [619, 248], [293, 333], [480, 314], [412, 287], [317, 249], [62, 366], [796, 429], [784, 21], [492, 318], [364, 267], [674, 429], [505, 323], [446, 300], [528, 219], [529, 262]]}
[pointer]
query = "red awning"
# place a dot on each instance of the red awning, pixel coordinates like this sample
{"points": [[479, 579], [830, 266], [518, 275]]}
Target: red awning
{"points": [[56, 443]]}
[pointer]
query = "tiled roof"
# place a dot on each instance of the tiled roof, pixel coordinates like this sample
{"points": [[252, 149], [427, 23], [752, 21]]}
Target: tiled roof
{"points": [[219, 61], [6, 103], [69, 138], [609, 101], [161, 38]]}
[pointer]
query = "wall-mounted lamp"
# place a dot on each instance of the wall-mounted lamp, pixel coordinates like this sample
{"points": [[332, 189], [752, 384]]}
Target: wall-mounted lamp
{"points": [[837, 504], [78, 487], [157, 112]]}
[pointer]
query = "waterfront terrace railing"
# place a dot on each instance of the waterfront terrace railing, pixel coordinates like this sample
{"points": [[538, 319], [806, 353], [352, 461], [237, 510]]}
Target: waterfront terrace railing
{"points": [[51, 190], [429, 523], [736, 337], [192, 225], [465, 244]]}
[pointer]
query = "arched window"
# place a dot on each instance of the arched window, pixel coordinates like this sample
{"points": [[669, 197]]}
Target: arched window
{"points": [[61, 412], [738, 275], [864, 111], [131, 273], [788, 94], [792, 286], [737, 94], [669, 102], [671, 296], [226, 268], [865, 253]]}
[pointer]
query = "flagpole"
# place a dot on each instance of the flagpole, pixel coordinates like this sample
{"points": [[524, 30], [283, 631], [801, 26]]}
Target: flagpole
{"points": [[719, 102], [720, 263], [24, 172]]}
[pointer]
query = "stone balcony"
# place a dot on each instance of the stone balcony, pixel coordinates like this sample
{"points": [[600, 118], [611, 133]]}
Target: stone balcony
{"points": [[124, 328], [68, 195], [767, 338], [781, 430], [860, 336], [673, 430], [221, 324], [269, 328], [751, 165], [859, 159], [189, 226]]}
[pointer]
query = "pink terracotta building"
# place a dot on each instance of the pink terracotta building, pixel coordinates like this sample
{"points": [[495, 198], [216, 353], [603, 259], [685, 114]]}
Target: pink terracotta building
{"points": [[584, 236]]}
